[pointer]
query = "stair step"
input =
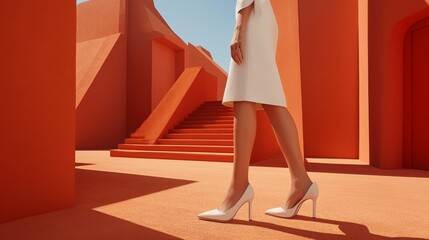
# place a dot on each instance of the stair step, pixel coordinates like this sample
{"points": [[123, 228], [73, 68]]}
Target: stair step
{"points": [[202, 130], [218, 142], [211, 113], [186, 148], [214, 108], [193, 122], [212, 117], [199, 136], [205, 134], [205, 156], [136, 141], [212, 103], [220, 125]]}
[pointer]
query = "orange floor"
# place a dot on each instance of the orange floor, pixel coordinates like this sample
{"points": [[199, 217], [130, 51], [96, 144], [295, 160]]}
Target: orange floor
{"points": [[129, 198]]}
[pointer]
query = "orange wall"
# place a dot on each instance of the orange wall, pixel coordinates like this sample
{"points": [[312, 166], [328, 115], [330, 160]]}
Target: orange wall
{"points": [[329, 68], [95, 20], [101, 74], [154, 58], [363, 81], [197, 56], [416, 87], [194, 86], [100, 112], [163, 70], [37, 101], [144, 94], [144, 25], [388, 23], [416, 101], [129, 65]]}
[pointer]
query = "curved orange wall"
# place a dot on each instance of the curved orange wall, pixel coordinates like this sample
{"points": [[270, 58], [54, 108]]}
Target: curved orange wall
{"points": [[37, 100], [388, 23], [416, 98], [419, 97]]}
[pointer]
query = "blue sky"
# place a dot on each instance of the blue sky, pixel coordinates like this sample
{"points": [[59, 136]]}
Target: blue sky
{"points": [[209, 23]]}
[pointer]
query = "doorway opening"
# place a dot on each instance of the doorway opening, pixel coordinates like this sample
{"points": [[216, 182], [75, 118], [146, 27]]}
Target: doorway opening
{"points": [[416, 96]]}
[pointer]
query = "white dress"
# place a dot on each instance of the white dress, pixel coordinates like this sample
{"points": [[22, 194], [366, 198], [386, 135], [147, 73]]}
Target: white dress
{"points": [[257, 78]]}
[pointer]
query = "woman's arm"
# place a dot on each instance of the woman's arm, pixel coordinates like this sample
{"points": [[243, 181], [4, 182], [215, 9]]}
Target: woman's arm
{"points": [[239, 31]]}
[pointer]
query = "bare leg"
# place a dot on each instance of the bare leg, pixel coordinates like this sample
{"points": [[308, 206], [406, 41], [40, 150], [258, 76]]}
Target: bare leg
{"points": [[244, 138], [287, 136]]}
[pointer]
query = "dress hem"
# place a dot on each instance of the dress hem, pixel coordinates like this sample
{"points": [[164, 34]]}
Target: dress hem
{"points": [[230, 103]]}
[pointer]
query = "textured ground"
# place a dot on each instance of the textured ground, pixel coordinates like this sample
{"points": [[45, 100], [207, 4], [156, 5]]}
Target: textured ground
{"points": [[127, 198]]}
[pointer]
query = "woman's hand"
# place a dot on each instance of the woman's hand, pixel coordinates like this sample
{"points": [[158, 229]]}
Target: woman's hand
{"points": [[236, 46], [239, 32]]}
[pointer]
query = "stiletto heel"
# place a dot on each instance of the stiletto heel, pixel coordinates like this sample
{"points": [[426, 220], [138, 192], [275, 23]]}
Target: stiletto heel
{"points": [[314, 207], [250, 210], [227, 215], [312, 193]]}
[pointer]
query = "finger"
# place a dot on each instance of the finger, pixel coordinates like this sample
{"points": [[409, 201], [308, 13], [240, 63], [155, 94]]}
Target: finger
{"points": [[240, 55], [235, 58], [239, 52], [234, 53], [233, 49]]}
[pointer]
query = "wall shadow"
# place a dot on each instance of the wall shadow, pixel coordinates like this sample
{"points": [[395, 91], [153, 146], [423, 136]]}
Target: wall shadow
{"points": [[94, 189], [365, 170], [79, 164], [352, 231], [347, 168]]}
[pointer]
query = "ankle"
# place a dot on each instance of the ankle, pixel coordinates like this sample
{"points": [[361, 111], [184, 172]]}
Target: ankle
{"points": [[303, 181], [239, 184]]}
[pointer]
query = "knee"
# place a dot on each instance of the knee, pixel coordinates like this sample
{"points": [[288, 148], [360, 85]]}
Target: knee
{"points": [[271, 107], [244, 104], [274, 109], [266, 106]]}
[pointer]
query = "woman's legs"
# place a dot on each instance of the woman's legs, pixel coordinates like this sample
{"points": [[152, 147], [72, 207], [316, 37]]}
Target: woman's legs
{"points": [[287, 136], [244, 137]]}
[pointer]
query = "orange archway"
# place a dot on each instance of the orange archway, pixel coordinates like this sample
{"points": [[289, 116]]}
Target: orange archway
{"points": [[416, 99], [386, 33]]}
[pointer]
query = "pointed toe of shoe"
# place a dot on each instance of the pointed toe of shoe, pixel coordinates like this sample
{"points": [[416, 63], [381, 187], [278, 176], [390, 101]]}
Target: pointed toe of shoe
{"points": [[213, 215], [275, 211], [281, 212], [227, 215]]}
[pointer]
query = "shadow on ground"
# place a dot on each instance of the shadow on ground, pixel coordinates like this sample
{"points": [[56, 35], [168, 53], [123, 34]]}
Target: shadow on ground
{"points": [[349, 167], [352, 231], [94, 189]]}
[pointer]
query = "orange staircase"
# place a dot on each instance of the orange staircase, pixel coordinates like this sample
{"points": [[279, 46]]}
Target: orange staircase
{"points": [[205, 134]]}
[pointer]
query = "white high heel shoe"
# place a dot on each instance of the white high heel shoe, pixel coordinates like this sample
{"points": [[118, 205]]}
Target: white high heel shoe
{"points": [[312, 193], [227, 215]]}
